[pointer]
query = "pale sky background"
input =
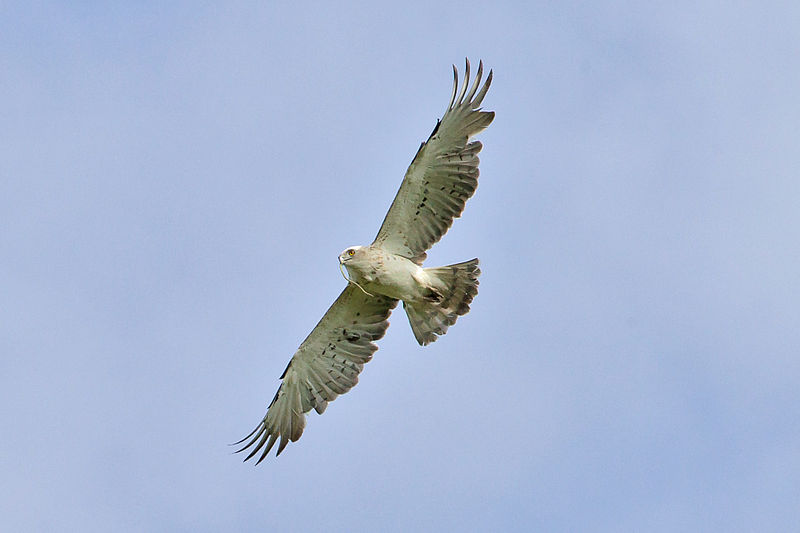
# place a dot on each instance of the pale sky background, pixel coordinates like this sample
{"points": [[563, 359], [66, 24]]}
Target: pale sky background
{"points": [[176, 182]]}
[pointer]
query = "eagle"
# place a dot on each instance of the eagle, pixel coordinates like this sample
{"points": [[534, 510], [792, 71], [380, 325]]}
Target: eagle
{"points": [[441, 178]]}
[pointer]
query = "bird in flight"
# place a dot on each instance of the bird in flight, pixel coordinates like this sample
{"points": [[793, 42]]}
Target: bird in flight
{"points": [[437, 184]]}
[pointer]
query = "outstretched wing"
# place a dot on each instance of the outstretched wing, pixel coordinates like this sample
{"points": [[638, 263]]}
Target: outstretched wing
{"points": [[442, 176], [325, 365]]}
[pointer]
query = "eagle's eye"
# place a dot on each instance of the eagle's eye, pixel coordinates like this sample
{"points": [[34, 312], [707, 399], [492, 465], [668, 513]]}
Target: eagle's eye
{"points": [[351, 252]]}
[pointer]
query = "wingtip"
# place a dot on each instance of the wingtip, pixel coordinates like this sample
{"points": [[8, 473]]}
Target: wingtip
{"points": [[282, 445], [244, 439], [464, 85], [457, 97], [251, 454], [475, 83], [455, 88]]}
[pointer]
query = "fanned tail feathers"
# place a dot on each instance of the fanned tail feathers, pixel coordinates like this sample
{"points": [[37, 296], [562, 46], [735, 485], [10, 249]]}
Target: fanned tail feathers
{"points": [[454, 288]]}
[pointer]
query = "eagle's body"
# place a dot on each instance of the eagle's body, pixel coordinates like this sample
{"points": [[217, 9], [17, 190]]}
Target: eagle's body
{"points": [[437, 184], [432, 297], [382, 272]]}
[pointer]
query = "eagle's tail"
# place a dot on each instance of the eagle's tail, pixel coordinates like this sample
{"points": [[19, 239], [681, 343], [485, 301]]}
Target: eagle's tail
{"points": [[453, 288]]}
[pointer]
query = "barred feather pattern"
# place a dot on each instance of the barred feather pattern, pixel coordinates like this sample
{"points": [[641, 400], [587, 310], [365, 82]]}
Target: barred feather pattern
{"points": [[442, 176]]}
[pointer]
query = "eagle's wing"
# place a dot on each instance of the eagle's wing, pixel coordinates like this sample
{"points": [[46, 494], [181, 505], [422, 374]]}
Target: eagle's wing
{"points": [[325, 365], [442, 176]]}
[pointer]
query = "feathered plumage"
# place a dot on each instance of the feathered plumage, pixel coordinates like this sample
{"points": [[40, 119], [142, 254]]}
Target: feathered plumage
{"points": [[437, 184]]}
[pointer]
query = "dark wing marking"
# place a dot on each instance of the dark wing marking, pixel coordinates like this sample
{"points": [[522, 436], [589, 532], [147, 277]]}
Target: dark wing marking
{"points": [[325, 365]]}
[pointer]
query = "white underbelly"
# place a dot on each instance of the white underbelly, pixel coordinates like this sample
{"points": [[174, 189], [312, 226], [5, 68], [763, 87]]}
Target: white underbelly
{"points": [[397, 277]]}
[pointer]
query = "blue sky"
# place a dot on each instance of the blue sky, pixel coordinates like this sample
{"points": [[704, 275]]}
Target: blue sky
{"points": [[177, 181]]}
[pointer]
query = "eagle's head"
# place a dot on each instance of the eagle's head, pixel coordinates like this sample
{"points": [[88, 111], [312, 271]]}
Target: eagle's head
{"points": [[354, 260], [353, 252]]}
